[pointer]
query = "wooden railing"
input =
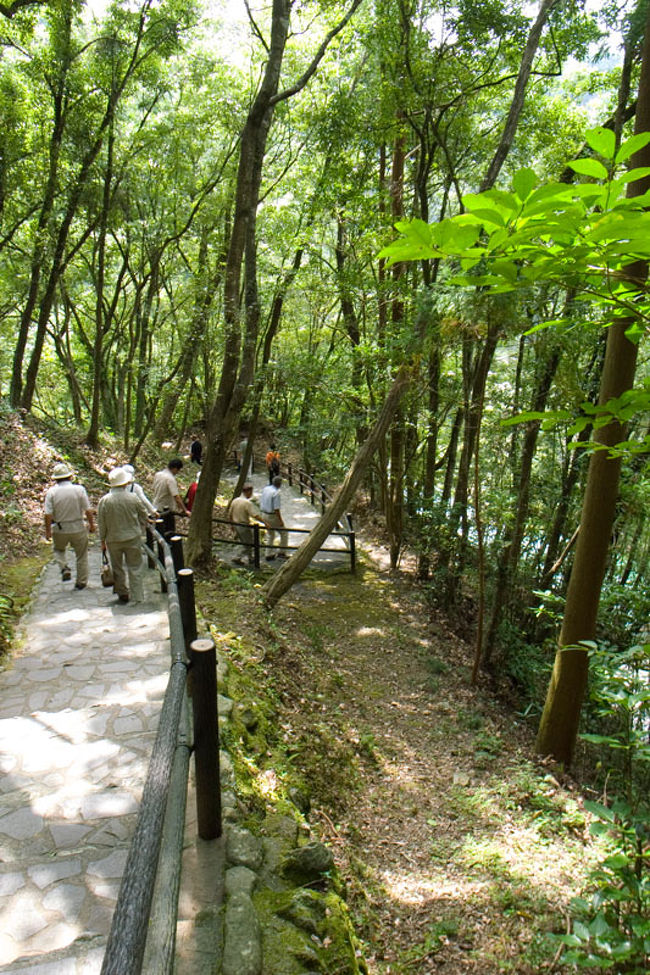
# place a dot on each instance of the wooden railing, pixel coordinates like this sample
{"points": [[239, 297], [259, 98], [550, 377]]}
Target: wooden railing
{"points": [[308, 485], [257, 545], [144, 921]]}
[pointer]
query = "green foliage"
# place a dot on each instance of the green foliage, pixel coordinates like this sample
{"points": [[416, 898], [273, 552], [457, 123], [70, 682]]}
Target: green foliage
{"points": [[579, 235], [611, 923], [7, 618]]}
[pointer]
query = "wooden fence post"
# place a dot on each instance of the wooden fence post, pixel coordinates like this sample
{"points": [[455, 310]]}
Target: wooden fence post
{"points": [[256, 546], [169, 523], [176, 546], [160, 526], [151, 563], [206, 738], [187, 605], [353, 544]]}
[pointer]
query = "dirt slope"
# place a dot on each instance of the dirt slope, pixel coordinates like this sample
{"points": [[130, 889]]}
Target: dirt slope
{"points": [[458, 852]]}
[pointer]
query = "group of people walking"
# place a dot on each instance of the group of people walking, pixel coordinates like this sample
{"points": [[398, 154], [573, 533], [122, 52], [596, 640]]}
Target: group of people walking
{"points": [[124, 512], [244, 514]]}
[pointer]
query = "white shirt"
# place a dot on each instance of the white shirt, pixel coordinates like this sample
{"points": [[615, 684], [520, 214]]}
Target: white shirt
{"points": [[270, 499], [165, 490], [134, 488]]}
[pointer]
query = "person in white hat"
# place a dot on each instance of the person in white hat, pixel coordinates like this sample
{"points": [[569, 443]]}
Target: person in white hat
{"points": [[66, 506], [135, 488], [121, 517]]}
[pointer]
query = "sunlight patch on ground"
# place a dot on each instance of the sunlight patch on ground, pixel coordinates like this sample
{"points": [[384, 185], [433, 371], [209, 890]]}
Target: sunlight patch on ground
{"points": [[417, 887], [267, 784], [370, 631]]}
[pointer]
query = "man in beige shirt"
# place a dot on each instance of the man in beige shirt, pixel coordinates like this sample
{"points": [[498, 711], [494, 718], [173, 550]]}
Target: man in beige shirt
{"points": [[243, 513], [166, 494], [66, 506], [121, 517]]}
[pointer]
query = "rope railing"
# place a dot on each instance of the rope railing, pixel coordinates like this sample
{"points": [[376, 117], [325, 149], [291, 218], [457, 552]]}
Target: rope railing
{"points": [[139, 924]]}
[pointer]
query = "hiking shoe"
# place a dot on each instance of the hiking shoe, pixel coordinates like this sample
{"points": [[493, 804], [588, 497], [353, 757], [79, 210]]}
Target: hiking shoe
{"points": [[66, 575], [80, 585], [123, 599]]}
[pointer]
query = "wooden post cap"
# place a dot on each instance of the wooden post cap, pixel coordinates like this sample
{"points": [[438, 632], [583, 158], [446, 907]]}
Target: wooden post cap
{"points": [[202, 645]]}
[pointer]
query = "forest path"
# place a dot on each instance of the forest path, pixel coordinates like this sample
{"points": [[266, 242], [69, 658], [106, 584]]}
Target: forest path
{"points": [[297, 512], [79, 709], [457, 851]]}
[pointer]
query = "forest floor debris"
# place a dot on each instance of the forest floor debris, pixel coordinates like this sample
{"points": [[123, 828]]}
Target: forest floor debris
{"points": [[460, 853]]}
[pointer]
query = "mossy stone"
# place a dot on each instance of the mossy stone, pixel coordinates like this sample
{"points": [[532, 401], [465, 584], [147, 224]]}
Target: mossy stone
{"points": [[308, 863]]}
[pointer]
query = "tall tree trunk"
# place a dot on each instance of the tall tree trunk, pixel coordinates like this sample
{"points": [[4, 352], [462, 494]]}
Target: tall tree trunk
{"points": [[58, 262], [394, 510], [40, 247], [517, 103], [238, 365], [508, 557], [561, 715], [92, 436]]}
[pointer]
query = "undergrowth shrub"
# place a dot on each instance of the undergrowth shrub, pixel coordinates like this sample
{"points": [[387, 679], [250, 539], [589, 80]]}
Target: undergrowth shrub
{"points": [[610, 930]]}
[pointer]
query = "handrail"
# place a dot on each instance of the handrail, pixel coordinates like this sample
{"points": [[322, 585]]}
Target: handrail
{"points": [[256, 544], [130, 927], [325, 497]]}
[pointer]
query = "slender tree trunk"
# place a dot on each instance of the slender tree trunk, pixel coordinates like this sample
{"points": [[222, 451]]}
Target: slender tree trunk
{"points": [[238, 364], [517, 103], [559, 722], [508, 558], [394, 510], [92, 437], [283, 580], [40, 247], [58, 261]]}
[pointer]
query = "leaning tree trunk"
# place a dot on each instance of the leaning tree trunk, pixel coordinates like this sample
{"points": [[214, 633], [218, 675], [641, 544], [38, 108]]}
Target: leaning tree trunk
{"points": [[291, 570]]}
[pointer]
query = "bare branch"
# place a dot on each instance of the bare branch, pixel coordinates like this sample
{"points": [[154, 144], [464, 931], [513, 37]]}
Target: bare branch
{"points": [[318, 57]]}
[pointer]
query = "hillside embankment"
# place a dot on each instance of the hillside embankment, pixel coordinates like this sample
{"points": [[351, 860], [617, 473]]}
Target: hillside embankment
{"points": [[458, 853]]}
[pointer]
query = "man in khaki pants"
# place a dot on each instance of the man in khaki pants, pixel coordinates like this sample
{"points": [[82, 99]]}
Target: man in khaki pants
{"points": [[121, 518], [66, 506]]}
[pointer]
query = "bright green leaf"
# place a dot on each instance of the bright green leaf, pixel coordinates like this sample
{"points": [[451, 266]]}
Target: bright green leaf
{"points": [[632, 145], [524, 182], [589, 167], [602, 141]]}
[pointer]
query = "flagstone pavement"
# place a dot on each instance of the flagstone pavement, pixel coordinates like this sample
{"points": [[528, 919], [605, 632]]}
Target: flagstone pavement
{"points": [[79, 708]]}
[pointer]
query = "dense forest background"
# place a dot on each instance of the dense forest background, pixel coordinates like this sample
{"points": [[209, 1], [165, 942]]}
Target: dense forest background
{"points": [[196, 208]]}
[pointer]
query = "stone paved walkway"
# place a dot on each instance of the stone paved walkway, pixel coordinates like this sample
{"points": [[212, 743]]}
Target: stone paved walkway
{"points": [[297, 512], [79, 708]]}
